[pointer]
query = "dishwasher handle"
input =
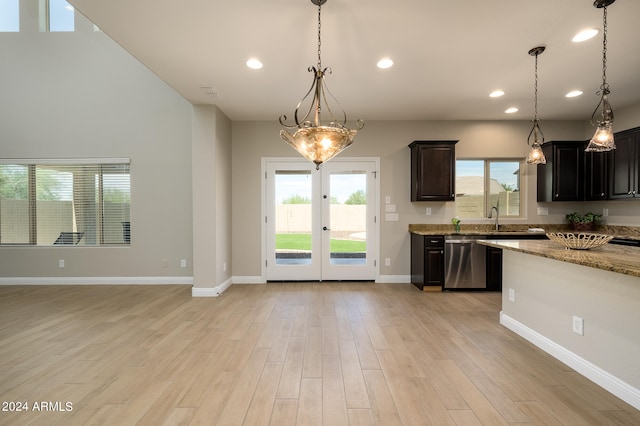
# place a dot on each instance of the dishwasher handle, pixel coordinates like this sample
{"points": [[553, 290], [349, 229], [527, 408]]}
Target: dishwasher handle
{"points": [[459, 241]]}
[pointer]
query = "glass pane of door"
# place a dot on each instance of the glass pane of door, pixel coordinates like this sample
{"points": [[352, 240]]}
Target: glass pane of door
{"points": [[293, 217], [348, 217]]}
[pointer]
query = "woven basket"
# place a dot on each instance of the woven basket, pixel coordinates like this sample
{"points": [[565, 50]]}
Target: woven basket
{"points": [[579, 241]]}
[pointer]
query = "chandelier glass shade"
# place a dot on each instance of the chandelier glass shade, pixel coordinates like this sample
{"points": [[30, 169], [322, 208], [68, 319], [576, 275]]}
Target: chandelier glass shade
{"points": [[603, 139], [313, 140], [536, 156]]}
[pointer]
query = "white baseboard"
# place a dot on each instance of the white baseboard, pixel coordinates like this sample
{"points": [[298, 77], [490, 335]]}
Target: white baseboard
{"points": [[211, 291], [382, 279], [611, 383], [394, 279], [95, 280], [249, 280]]}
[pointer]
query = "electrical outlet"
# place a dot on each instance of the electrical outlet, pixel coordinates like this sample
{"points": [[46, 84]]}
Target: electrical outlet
{"points": [[183, 263], [428, 211], [387, 200], [165, 263], [578, 325], [224, 267], [543, 211], [61, 263], [512, 295], [387, 261], [605, 212]]}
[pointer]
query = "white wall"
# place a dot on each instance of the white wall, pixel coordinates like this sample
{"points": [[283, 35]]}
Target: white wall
{"points": [[553, 292], [211, 151], [71, 95]]}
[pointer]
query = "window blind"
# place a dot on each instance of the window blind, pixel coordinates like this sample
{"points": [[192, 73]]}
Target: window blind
{"points": [[65, 202]]}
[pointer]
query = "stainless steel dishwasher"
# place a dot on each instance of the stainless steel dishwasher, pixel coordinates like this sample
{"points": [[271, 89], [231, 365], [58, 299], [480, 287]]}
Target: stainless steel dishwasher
{"points": [[465, 262]]}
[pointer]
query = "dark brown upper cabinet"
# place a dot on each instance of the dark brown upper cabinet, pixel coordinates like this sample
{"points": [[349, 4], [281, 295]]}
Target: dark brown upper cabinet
{"points": [[624, 162], [561, 178], [433, 170]]}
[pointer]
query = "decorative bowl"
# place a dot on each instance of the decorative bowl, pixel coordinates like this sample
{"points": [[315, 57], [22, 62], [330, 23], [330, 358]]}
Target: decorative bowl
{"points": [[580, 241]]}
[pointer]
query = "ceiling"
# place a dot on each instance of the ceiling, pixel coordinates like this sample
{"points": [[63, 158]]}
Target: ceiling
{"points": [[448, 54]]}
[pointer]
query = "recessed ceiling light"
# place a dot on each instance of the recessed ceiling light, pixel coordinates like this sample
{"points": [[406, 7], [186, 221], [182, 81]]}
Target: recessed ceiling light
{"points": [[573, 93], [254, 64], [511, 110], [584, 35], [496, 93], [385, 63]]}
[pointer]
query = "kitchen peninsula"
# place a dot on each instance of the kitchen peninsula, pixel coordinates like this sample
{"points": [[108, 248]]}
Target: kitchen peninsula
{"points": [[580, 306]]}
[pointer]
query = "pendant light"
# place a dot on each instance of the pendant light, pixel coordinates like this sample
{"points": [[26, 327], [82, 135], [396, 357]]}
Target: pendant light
{"points": [[313, 140], [536, 156], [603, 138]]}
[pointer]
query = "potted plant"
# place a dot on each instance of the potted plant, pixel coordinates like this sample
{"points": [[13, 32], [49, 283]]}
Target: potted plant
{"points": [[583, 222]]}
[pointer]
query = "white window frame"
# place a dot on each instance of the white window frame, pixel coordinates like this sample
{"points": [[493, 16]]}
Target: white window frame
{"points": [[487, 206], [99, 234]]}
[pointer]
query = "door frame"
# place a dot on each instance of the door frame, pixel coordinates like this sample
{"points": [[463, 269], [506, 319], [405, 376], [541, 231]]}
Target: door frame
{"points": [[373, 241]]}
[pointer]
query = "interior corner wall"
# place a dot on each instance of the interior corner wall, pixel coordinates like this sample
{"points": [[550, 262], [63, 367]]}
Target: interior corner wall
{"points": [[80, 95], [211, 171]]}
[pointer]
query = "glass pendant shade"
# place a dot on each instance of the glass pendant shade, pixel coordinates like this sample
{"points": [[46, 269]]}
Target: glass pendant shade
{"points": [[536, 156], [603, 139], [319, 144]]}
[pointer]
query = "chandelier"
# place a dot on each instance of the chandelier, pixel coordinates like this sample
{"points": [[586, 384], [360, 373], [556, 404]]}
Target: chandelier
{"points": [[315, 141], [603, 138], [536, 156]]}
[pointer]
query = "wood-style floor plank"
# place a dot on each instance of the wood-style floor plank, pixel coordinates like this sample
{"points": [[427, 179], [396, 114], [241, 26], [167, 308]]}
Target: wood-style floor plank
{"points": [[331, 353]]}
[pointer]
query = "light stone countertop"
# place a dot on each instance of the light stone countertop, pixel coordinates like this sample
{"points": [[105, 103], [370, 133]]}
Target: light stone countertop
{"points": [[625, 232], [610, 257]]}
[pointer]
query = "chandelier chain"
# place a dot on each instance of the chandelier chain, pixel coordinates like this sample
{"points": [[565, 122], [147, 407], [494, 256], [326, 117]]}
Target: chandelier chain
{"points": [[605, 86], [535, 93], [319, 37]]}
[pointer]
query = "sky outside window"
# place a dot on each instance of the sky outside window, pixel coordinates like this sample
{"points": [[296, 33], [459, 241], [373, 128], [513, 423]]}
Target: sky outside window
{"points": [[61, 16], [9, 15]]}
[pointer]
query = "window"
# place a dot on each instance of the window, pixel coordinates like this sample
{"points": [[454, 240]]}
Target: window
{"points": [[9, 15], [483, 184], [56, 16], [71, 202]]}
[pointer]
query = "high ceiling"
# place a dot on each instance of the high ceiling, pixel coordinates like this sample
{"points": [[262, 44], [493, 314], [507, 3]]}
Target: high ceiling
{"points": [[448, 54]]}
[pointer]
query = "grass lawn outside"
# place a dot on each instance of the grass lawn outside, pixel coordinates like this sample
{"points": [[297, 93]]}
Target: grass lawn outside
{"points": [[303, 242]]}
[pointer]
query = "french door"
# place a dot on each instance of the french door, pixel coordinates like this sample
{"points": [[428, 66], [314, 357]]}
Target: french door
{"points": [[320, 224]]}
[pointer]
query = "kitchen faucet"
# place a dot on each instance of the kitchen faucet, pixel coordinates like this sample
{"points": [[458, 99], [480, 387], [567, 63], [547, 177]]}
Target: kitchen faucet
{"points": [[497, 214]]}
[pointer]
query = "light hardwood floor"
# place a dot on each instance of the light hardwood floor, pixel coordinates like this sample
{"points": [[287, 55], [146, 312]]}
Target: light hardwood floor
{"points": [[281, 354]]}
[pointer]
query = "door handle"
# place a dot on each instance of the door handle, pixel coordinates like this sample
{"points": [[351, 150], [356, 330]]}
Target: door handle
{"points": [[324, 228]]}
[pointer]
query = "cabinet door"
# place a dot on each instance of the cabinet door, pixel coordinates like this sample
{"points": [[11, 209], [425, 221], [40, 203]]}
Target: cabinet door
{"points": [[562, 178], [596, 176], [567, 168], [494, 268], [434, 266], [623, 165], [432, 170]]}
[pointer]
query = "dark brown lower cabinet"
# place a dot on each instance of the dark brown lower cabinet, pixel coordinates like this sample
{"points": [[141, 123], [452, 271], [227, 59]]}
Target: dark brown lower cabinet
{"points": [[427, 261], [494, 269]]}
